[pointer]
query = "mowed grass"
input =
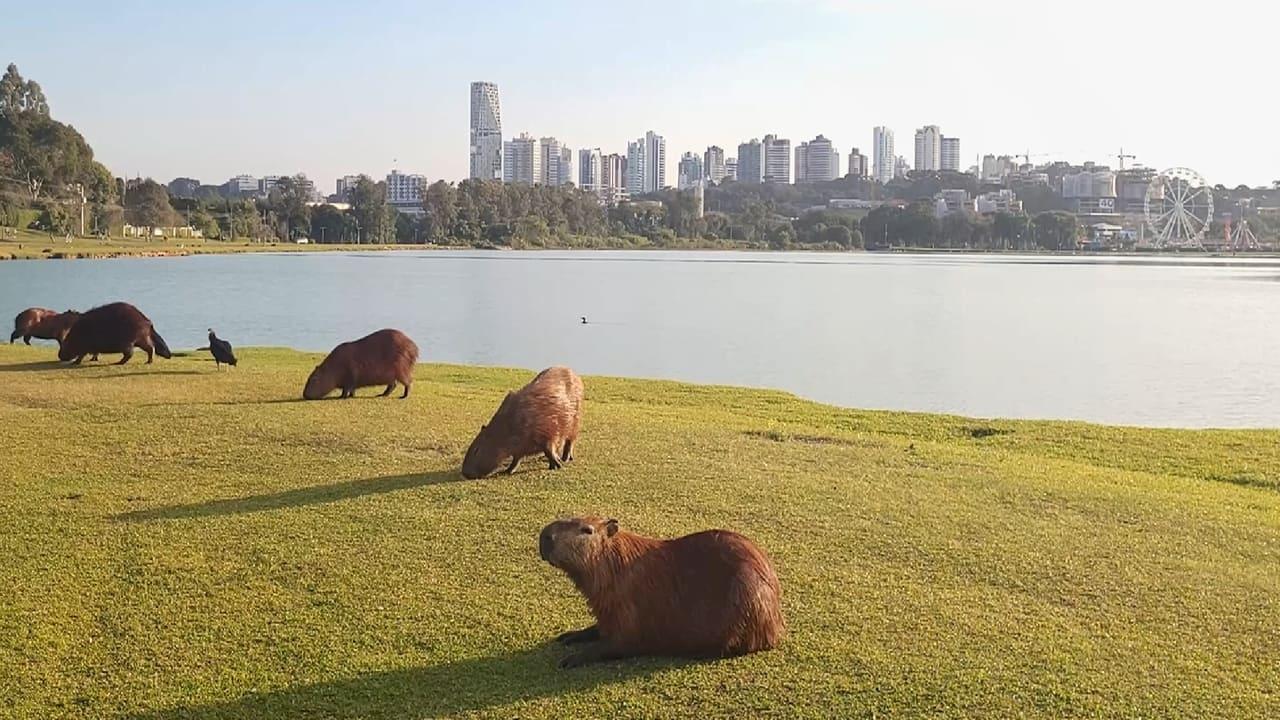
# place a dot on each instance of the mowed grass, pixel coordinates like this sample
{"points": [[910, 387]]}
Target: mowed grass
{"points": [[33, 245], [181, 543]]}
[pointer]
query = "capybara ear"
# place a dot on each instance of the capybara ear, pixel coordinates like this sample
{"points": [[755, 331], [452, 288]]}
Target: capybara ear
{"points": [[611, 527]]}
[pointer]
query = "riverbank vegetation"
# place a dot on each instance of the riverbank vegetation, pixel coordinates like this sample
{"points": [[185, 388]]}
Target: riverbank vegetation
{"points": [[186, 543]]}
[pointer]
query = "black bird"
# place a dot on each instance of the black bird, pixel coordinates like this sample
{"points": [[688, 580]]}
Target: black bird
{"points": [[584, 321], [221, 350]]}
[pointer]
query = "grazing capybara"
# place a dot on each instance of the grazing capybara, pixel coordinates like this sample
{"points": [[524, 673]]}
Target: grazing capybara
{"points": [[382, 358], [709, 594], [113, 328], [541, 417], [43, 324]]}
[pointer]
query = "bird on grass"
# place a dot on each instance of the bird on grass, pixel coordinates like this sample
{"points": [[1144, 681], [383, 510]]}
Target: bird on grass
{"points": [[221, 350]]}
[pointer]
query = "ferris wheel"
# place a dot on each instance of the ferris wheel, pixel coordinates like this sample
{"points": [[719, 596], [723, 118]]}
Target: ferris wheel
{"points": [[1179, 208]]}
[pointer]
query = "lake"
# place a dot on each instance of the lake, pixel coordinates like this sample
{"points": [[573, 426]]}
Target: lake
{"points": [[1187, 342]]}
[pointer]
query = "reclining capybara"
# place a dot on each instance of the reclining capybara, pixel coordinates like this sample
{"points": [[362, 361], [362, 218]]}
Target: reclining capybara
{"points": [[709, 594], [541, 417], [113, 328], [43, 324], [382, 358]]}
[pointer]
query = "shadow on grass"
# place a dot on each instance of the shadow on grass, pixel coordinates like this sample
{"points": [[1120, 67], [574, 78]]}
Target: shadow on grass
{"points": [[32, 366], [276, 401], [314, 495], [448, 689], [131, 373]]}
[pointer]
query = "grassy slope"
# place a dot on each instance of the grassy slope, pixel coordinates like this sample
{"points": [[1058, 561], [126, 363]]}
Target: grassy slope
{"points": [[180, 543], [28, 244]]}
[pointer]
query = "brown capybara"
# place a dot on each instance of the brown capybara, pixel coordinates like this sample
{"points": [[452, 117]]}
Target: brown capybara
{"points": [[382, 358], [541, 417], [43, 324], [113, 328], [709, 594]]}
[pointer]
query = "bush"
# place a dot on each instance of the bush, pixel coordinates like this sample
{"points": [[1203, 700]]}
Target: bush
{"points": [[56, 218]]}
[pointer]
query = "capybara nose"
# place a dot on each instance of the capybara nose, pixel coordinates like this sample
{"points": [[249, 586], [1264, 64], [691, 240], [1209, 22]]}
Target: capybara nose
{"points": [[544, 545]]}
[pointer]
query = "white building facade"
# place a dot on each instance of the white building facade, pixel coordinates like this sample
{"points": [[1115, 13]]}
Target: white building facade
{"points": [[522, 160], [928, 149], [777, 159], [951, 154], [882, 154], [486, 132]]}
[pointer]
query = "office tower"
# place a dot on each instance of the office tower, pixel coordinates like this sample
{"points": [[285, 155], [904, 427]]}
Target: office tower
{"points": [[882, 154], [928, 149], [713, 163], [486, 132]]}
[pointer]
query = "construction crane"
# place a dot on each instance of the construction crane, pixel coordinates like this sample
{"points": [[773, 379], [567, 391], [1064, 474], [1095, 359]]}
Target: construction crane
{"points": [[1121, 157]]}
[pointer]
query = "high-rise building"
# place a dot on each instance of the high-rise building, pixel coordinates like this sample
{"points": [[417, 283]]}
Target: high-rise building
{"points": [[691, 173], [647, 164], [951, 154], [731, 169], [404, 192], [816, 161], [566, 166], [928, 149], [486, 132], [268, 183], [750, 165], [589, 161], [713, 163], [522, 160], [858, 166], [882, 154], [551, 171], [613, 179], [777, 159], [901, 167], [344, 186], [240, 185]]}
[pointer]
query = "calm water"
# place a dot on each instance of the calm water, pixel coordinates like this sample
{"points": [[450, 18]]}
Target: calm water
{"points": [[1151, 342]]}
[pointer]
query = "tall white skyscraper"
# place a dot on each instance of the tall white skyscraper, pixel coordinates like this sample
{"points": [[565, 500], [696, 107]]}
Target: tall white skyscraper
{"points": [[928, 149], [589, 168], [858, 165], [613, 179], [522, 160], [817, 161], [486, 132], [777, 159], [554, 170], [566, 166], [713, 163], [950, 154], [882, 154], [691, 173], [647, 164]]}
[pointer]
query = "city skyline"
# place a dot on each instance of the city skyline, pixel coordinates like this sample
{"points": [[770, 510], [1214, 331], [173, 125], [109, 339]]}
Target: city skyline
{"points": [[365, 92]]}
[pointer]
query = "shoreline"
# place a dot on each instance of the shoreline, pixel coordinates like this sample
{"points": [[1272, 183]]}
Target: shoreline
{"points": [[97, 250]]}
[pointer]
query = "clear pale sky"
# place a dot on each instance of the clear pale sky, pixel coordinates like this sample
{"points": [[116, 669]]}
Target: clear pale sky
{"points": [[209, 90]]}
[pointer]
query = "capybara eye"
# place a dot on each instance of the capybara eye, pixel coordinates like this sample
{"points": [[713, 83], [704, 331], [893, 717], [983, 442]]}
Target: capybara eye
{"points": [[587, 530]]}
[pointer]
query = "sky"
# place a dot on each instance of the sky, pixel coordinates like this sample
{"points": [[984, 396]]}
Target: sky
{"points": [[211, 90]]}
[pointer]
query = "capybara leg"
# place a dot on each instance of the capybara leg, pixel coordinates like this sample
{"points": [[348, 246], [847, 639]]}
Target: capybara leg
{"points": [[14, 336], [515, 462], [26, 339], [390, 387], [78, 360], [405, 394], [128, 353], [567, 454], [94, 358], [552, 460], [602, 652], [590, 634], [348, 392]]}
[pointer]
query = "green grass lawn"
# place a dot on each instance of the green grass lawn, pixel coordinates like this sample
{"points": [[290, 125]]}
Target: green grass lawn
{"points": [[181, 543], [33, 245]]}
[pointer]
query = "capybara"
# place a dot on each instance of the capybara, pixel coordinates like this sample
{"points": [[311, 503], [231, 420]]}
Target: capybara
{"points": [[381, 358], [541, 417], [709, 594], [43, 324], [113, 328]]}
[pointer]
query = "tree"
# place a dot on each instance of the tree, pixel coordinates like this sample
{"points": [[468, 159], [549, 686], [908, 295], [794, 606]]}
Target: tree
{"points": [[440, 203], [1055, 230], [1011, 230], [370, 212], [18, 96], [880, 226], [289, 201], [327, 224], [147, 204], [837, 235]]}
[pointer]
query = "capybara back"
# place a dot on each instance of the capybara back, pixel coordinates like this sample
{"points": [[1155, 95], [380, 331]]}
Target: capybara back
{"points": [[385, 357], [544, 417]]}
